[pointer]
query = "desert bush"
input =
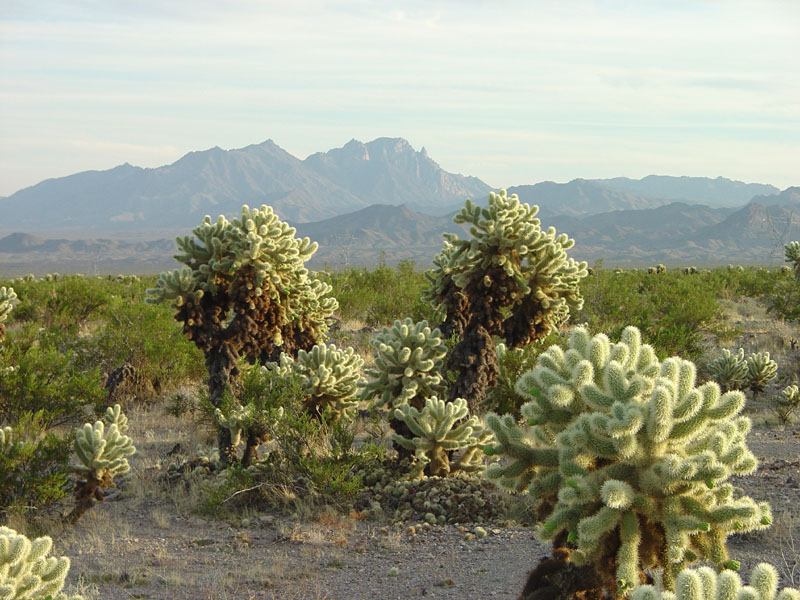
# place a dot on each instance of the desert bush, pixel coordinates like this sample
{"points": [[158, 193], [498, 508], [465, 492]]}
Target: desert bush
{"points": [[33, 465], [40, 374], [380, 296], [672, 311], [628, 460]]}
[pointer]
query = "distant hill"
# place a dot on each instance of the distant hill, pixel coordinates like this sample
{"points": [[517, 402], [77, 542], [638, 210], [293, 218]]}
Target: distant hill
{"points": [[390, 171], [579, 197], [171, 199], [696, 190], [674, 234]]}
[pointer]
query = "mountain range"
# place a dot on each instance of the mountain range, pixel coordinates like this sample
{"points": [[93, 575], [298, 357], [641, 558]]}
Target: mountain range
{"points": [[365, 200]]}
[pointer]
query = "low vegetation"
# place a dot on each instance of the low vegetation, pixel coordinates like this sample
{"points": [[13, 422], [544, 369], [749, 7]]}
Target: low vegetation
{"points": [[602, 399]]}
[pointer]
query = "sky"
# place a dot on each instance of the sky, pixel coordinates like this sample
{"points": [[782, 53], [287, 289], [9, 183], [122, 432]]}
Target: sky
{"points": [[513, 92]]}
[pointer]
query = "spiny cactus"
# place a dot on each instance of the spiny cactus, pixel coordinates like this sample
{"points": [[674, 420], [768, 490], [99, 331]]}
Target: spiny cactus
{"points": [[792, 251], [103, 453], [250, 422], [439, 429], [329, 378], [511, 279], [787, 404], [706, 584], [26, 572], [408, 360], [7, 299], [761, 369], [245, 292], [115, 416], [729, 370], [628, 459]]}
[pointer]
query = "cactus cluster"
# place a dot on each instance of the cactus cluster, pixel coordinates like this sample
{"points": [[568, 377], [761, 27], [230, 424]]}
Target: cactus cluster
{"points": [[628, 459], [329, 378], [103, 450], [244, 292], [761, 369], [26, 572], [706, 584], [439, 429], [409, 358], [729, 370], [511, 279], [792, 252], [7, 299]]}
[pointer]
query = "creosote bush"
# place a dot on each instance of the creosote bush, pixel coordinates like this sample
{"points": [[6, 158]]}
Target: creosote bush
{"points": [[628, 459]]}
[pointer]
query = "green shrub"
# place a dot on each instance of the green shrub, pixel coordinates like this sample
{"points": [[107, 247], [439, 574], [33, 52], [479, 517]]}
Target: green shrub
{"points": [[33, 465]]}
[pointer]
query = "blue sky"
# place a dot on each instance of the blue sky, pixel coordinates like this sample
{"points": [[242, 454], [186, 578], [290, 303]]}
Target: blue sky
{"points": [[511, 92]]}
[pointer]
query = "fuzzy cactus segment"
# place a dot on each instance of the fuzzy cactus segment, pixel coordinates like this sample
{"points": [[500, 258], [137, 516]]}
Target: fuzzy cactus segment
{"points": [[26, 572], [706, 584], [439, 428], [329, 378], [792, 251], [408, 360], [729, 370], [618, 444]]}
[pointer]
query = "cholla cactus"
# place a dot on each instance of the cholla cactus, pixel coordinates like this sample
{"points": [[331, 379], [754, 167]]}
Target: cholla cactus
{"points": [[440, 428], [511, 280], [761, 369], [729, 370], [245, 292], [628, 457], [7, 299], [250, 422], [26, 572], [103, 453], [329, 378], [115, 416], [408, 360], [792, 251], [705, 584], [784, 405]]}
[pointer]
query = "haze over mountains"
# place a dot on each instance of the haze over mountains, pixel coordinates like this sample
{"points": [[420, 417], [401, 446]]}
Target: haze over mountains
{"points": [[382, 196]]}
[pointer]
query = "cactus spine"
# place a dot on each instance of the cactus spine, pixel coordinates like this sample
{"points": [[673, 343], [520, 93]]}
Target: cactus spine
{"points": [[26, 573], [511, 279], [629, 460]]}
